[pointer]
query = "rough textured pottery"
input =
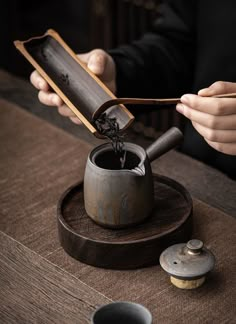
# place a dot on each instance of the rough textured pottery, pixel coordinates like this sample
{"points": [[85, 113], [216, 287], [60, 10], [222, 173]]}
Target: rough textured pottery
{"points": [[117, 197]]}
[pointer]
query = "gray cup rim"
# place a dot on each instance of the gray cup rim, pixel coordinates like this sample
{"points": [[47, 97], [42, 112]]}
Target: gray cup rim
{"points": [[143, 309]]}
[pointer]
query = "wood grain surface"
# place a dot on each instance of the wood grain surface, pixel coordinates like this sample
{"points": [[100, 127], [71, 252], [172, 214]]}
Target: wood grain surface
{"points": [[33, 290], [137, 246], [38, 162], [211, 303]]}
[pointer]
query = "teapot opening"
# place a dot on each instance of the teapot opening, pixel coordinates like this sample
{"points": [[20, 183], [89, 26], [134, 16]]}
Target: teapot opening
{"points": [[112, 161]]}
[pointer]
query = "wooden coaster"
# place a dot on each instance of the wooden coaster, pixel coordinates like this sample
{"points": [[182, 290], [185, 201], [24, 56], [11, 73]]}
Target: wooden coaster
{"points": [[138, 246]]}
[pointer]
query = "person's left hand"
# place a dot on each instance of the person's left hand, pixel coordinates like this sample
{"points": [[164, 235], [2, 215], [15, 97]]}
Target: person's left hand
{"points": [[213, 118]]}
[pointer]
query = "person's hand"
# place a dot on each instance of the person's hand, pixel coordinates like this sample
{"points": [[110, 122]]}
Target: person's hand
{"points": [[213, 118], [98, 61]]}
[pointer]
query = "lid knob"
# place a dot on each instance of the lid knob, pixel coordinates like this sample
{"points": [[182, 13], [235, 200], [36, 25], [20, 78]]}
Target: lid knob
{"points": [[194, 246]]}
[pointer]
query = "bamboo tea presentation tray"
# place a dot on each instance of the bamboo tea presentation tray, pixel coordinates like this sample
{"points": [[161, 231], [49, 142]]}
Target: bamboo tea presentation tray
{"points": [[134, 247], [68, 76]]}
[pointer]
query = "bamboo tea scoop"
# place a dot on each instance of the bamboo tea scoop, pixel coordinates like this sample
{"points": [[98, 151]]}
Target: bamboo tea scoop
{"points": [[147, 101]]}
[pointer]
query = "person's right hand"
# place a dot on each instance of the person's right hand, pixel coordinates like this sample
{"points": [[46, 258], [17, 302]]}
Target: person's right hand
{"points": [[98, 61]]}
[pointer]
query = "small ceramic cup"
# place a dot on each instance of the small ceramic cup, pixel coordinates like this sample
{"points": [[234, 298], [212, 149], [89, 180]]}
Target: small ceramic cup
{"points": [[122, 312]]}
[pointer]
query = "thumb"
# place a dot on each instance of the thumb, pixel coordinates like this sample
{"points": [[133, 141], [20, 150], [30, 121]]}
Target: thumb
{"points": [[97, 62], [217, 88]]}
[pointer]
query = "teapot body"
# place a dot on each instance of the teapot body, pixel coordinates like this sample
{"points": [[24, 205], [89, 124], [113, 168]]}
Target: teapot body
{"points": [[116, 197]]}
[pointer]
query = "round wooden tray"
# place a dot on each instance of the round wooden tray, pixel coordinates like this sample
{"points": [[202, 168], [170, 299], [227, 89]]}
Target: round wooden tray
{"points": [[138, 246]]}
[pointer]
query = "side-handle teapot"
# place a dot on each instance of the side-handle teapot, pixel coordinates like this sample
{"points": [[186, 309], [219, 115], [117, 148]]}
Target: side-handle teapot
{"points": [[118, 197]]}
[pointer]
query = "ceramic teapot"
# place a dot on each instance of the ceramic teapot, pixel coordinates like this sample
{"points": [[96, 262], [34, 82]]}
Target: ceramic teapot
{"points": [[116, 197]]}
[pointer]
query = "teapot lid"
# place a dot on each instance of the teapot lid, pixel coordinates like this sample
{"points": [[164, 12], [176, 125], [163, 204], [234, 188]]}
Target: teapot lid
{"points": [[187, 261]]}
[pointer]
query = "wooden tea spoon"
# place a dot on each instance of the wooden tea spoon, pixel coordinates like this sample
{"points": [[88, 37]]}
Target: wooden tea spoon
{"points": [[147, 101]]}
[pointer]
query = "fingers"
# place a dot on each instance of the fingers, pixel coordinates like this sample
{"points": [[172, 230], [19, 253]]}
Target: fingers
{"points": [[49, 98], [226, 148], [38, 82], [213, 118], [97, 63], [217, 88], [216, 135], [75, 120], [102, 65], [208, 120], [213, 106], [45, 95], [66, 112], [95, 60]]}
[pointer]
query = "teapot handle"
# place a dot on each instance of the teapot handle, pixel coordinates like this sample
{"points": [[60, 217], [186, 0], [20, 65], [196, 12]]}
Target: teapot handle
{"points": [[164, 143]]}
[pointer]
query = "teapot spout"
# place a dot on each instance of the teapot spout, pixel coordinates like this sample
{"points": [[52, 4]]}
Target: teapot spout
{"points": [[164, 143], [139, 170]]}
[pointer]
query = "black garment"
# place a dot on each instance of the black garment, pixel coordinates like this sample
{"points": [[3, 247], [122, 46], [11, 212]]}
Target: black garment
{"points": [[191, 46]]}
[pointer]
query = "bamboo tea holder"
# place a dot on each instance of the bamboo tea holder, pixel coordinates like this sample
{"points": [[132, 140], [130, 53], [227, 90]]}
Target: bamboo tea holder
{"points": [[81, 90]]}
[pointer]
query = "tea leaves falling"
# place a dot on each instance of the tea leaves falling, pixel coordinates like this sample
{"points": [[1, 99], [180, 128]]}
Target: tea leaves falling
{"points": [[109, 127]]}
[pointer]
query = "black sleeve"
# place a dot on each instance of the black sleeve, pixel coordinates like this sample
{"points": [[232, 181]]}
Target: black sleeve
{"points": [[161, 63]]}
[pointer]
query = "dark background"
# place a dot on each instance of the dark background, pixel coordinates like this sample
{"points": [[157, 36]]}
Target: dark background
{"points": [[83, 24], [22, 19]]}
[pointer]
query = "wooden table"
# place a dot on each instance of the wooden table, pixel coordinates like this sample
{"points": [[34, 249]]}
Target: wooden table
{"points": [[40, 283]]}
